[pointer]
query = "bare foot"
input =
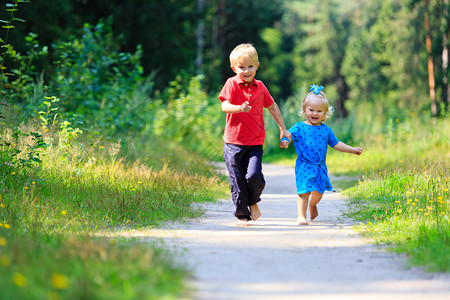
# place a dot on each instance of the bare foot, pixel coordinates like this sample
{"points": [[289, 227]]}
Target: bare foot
{"points": [[255, 212], [313, 212], [302, 222], [242, 222]]}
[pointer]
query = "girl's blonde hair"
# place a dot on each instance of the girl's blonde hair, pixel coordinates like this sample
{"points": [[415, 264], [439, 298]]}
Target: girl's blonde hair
{"points": [[322, 98], [243, 50]]}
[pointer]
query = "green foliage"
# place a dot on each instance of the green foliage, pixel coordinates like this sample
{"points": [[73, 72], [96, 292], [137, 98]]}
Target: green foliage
{"points": [[19, 151], [85, 268], [7, 50], [410, 209], [97, 82], [50, 215], [189, 117]]}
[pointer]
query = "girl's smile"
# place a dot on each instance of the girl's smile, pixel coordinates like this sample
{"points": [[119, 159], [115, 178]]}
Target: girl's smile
{"points": [[314, 112]]}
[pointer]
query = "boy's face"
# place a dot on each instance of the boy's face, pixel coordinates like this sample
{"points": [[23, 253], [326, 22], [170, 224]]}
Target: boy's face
{"points": [[245, 68]]}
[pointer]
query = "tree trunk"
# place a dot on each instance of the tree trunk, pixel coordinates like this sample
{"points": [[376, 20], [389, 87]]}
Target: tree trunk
{"points": [[343, 91], [221, 13], [431, 82], [200, 36], [445, 56]]}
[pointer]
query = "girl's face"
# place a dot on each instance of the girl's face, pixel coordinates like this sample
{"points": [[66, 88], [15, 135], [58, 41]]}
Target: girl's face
{"points": [[245, 68], [315, 112]]}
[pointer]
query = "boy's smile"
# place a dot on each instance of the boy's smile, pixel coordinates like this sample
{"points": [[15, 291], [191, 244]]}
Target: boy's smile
{"points": [[246, 68]]}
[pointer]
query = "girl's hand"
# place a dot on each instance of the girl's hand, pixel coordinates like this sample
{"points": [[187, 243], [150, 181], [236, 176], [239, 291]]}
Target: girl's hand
{"points": [[285, 139], [357, 151]]}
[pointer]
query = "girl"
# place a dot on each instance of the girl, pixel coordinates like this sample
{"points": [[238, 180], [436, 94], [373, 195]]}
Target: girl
{"points": [[311, 138]]}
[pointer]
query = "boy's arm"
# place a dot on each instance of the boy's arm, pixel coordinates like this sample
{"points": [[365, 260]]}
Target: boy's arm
{"points": [[229, 108], [276, 113], [340, 146]]}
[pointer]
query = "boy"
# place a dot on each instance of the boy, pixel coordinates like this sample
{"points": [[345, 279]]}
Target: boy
{"points": [[243, 99]]}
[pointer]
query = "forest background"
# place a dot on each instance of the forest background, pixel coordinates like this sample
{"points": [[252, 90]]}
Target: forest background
{"points": [[109, 114]]}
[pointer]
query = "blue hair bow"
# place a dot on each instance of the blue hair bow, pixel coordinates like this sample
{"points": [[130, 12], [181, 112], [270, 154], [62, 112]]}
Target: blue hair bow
{"points": [[316, 89]]}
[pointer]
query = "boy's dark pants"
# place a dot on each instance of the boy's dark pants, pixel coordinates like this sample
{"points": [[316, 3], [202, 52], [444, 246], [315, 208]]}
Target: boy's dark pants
{"points": [[244, 164]]}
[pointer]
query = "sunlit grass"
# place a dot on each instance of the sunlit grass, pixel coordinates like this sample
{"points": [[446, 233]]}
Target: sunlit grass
{"points": [[403, 196], [409, 208], [86, 268], [50, 217]]}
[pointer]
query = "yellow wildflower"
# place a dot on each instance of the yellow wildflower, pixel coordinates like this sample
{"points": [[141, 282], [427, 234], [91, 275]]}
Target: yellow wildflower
{"points": [[399, 211], [3, 242], [2, 205], [426, 214], [440, 198], [396, 201], [139, 182], [19, 280], [6, 226], [63, 212], [13, 173], [420, 209], [60, 282], [5, 261]]}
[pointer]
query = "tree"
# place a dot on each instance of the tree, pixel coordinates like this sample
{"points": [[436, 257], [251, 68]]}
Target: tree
{"points": [[320, 32], [431, 81]]}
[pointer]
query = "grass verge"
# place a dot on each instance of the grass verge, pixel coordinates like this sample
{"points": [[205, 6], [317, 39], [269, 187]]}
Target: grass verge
{"points": [[50, 216]]}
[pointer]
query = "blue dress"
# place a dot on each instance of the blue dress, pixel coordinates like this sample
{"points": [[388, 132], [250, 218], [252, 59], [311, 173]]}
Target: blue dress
{"points": [[311, 144]]}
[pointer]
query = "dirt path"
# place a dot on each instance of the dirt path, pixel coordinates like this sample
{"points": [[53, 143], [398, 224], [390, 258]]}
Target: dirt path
{"points": [[277, 259]]}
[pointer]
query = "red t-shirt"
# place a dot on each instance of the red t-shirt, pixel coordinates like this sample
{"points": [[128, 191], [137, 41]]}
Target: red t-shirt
{"points": [[245, 128]]}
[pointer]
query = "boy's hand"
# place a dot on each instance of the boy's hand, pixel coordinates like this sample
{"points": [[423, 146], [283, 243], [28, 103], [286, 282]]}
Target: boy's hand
{"points": [[357, 151], [245, 107]]}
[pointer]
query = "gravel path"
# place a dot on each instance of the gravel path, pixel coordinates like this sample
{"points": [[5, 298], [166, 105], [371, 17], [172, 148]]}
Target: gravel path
{"points": [[277, 259]]}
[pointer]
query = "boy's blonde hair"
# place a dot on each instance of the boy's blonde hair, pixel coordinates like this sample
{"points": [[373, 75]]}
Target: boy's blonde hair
{"points": [[322, 98], [243, 50]]}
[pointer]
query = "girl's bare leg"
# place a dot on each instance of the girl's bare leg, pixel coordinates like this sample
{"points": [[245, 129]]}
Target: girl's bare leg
{"points": [[302, 205], [315, 199]]}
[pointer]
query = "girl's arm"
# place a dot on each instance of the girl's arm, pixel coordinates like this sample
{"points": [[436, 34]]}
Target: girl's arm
{"points": [[346, 148], [276, 114]]}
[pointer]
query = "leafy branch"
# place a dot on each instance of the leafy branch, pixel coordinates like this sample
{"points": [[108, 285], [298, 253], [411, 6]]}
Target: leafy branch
{"points": [[7, 50]]}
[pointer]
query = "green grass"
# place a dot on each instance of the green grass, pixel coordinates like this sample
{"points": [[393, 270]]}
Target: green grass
{"points": [[52, 218], [77, 267], [403, 198], [408, 209]]}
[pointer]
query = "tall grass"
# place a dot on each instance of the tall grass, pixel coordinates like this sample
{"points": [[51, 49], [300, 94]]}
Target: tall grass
{"points": [[402, 197], [409, 208], [50, 214]]}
